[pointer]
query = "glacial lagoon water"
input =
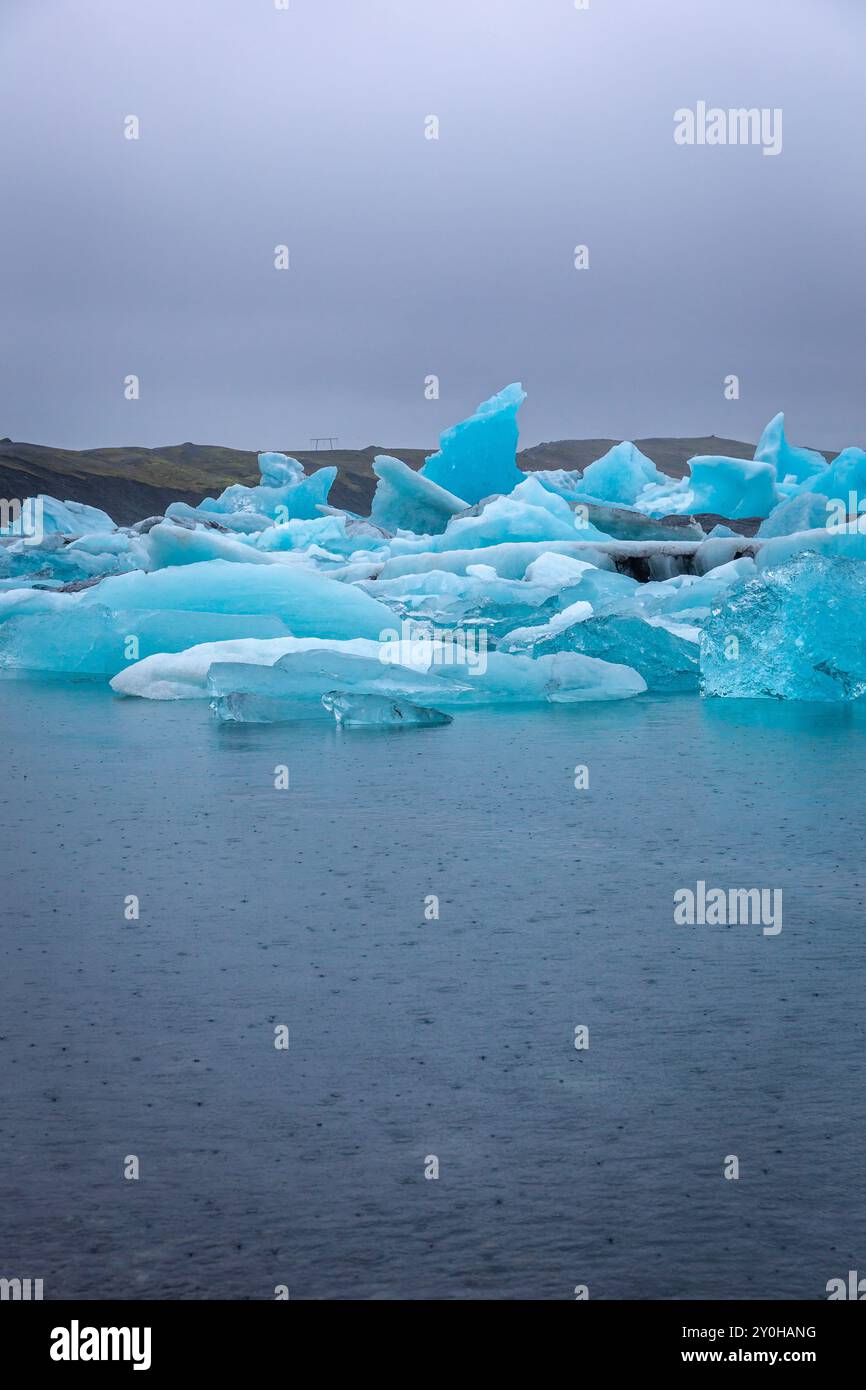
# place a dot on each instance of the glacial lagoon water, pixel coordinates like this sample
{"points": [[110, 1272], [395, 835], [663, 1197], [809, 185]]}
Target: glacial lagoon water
{"points": [[411, 1037]]}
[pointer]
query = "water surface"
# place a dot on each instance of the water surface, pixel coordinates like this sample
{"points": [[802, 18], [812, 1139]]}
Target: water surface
{"points": [[410, 1037]]}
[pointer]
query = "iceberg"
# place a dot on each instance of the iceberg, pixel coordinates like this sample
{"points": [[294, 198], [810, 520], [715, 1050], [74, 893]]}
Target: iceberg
{"points": [[292, 669], [407, 501], [791, 464], [101, 641], [63, 518], [790, 633], [477, 458], [251, 600], [503, 679], [376, 712], [731, 487], [666, 656], [807, 511], [621, 475], [283, 494], [183, 675], [843, 481]]}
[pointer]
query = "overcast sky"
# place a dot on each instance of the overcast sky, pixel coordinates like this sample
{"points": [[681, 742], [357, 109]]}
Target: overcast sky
{"points": [[411, 257]]}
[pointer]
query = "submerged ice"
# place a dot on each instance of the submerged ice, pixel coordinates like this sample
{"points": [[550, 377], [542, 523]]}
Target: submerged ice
{"points": [[471, 583]]}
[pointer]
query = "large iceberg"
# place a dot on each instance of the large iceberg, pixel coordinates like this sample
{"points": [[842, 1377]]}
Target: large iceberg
{"points": [[418, 671], [42, 630], [477, 457], [666, 655], [790, 633]]}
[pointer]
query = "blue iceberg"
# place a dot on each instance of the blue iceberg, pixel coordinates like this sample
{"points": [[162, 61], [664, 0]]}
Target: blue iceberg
{"points": [[621, 475], [409, 501], [790, 633], [791, 464], [476, 458]]}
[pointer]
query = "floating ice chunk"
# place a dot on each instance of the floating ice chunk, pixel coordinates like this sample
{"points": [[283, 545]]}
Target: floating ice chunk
{"points": [[721, 550], [732, 487], [50, 515], [666, 659], [689, 597], [292, 599], [73, 518], [375, 711], [305, 674], [57, 557], [601, 589], [310, 604], [283, 494], [804, 512], [98, 641], [303, 503], [509, 559], [183, 675], [670, 498], [621, 475], [241, 707], [167, 545], [478, 596], [556, 571], [791, 633], [849, 542], [526, 639], [510, 519], [629, 524], [409, 501], [504, 679], [279, 470], [545, 517], [326, 532], [477, 457], [791, 464], [532, 493], [844, 481]]}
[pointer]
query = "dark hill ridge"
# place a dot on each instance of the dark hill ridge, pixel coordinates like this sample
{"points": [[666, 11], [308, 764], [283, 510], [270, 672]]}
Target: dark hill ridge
{"points": [[130, 482]]}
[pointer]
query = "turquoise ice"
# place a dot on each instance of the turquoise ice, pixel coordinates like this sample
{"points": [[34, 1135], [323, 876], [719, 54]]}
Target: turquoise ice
{"points": [[477, 457], [791, 464], [471, 583], [377, 712], [621, 475], [790, 633], [409, 501]]}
